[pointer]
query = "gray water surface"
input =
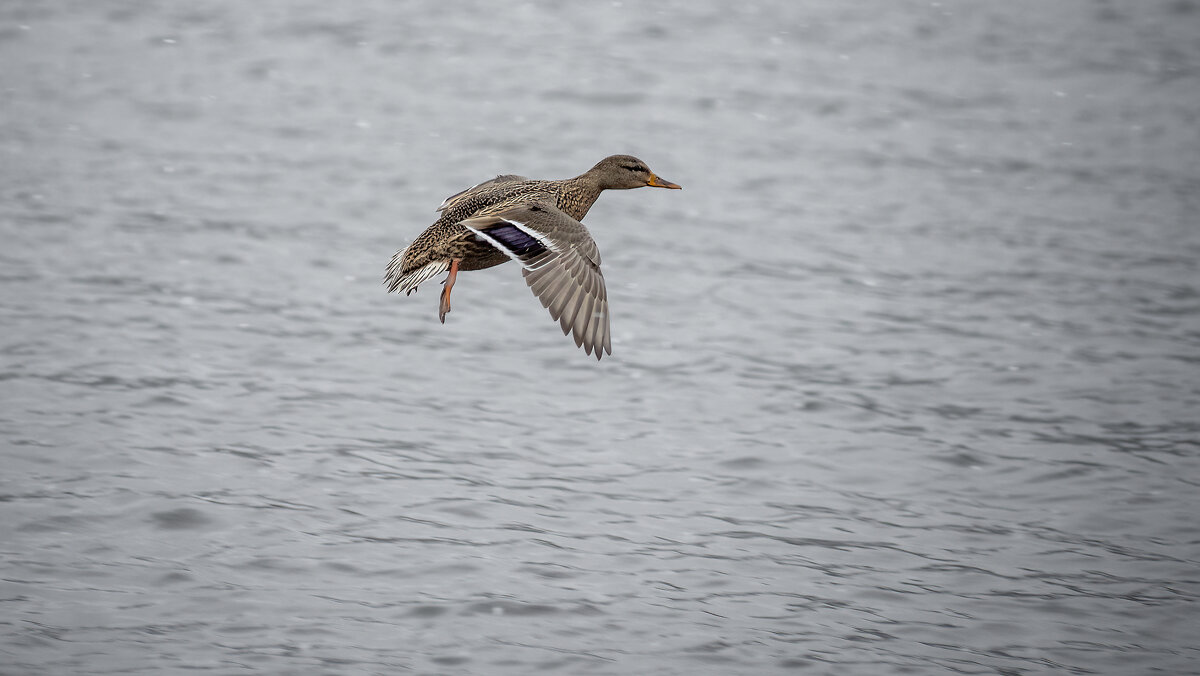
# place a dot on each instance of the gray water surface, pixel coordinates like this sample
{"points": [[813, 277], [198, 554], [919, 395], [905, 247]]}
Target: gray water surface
{"points": [[905, 380]]}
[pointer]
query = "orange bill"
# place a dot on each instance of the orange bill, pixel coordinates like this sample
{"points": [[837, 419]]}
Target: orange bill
{"points": [[657, 182]]}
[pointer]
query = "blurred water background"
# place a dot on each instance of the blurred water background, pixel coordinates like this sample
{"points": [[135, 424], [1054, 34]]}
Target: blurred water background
{"points": [[905, 380]]}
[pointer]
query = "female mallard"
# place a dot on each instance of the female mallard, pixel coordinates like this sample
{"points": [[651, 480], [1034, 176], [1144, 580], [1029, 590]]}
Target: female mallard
{"points": [[536, 223]]}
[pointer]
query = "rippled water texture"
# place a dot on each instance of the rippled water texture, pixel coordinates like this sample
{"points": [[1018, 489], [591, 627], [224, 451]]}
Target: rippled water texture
{"points": [[904, 380]]}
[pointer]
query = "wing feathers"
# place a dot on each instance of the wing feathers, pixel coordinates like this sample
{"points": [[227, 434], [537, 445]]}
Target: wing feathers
{"points": [[561, 267], [469, 192]]}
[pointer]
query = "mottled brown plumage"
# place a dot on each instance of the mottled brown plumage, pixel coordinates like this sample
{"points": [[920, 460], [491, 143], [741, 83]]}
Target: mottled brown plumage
{"points": [[536, 223]]}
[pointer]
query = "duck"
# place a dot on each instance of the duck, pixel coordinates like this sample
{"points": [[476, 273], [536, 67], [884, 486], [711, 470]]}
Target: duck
{"points": [[538, 224]]}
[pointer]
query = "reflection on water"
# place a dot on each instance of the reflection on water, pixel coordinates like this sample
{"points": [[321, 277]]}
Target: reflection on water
{"points": [[904, 380]]}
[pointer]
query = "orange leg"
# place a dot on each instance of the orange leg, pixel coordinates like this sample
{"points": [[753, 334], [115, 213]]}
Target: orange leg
{"points": [[444, 306]]}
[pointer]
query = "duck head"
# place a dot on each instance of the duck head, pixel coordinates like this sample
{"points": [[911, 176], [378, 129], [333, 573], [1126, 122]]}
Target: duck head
{"points": [[622, 172]]}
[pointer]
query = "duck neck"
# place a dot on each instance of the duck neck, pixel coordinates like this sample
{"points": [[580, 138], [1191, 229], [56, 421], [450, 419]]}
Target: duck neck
{"points": [[578, 194]]}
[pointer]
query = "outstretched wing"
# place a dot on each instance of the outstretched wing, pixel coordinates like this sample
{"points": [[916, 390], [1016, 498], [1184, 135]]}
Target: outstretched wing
{"points": [[561, 266]]}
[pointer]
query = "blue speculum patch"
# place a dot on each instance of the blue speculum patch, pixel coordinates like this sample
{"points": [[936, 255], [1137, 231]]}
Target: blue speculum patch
{"points": [[516, 240]]}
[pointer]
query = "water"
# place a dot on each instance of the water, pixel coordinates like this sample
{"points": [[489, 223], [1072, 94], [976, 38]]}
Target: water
{"points": [[903, 381]]}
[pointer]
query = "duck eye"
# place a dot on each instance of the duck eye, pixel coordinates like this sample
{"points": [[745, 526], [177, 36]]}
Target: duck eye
{"points": [[635, 168]]}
